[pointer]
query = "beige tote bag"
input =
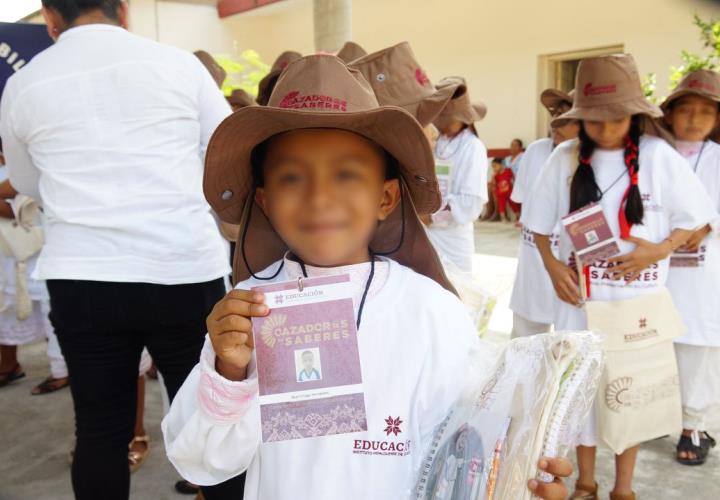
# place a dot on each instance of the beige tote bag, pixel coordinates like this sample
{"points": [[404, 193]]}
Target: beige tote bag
{"points": [[639, 392], [20, 239]]}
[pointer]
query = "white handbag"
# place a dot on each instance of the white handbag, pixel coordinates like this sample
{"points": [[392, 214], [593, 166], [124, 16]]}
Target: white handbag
{"points": [[20, 239], [639, 393]]}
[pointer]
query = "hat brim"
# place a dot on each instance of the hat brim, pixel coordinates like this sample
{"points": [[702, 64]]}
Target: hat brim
{"points": [[430, 107], [406, 243], [685, 92], [608, 112], [552, 98], [228, 173]]}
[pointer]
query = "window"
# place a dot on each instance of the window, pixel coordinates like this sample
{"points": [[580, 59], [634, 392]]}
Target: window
{"points": [[558, 71]]}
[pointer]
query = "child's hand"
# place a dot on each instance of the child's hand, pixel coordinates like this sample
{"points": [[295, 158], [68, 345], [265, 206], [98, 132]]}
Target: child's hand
{"points": [[565, 281], [230, 330], [697, 237], [558, 467], [631, 265]]}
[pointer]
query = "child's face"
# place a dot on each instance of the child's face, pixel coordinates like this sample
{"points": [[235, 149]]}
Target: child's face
{"points": [[324, 193], [693, 118], [609, 134], [569, 130], [308, 361], [497, 167]]}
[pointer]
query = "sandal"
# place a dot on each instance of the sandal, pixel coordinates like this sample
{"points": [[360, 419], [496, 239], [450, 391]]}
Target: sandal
{"points": [[622, 496], [49, 385], [186, 488], [11, 376], [697, 445], [137, 458], [585, 492]]}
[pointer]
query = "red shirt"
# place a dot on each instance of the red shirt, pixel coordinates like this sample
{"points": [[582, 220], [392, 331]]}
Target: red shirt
{"points": [[504, 182]]}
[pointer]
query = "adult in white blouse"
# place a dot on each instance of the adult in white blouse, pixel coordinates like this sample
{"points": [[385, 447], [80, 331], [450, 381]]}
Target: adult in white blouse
{"points": [[109, 131], [451, 229]]}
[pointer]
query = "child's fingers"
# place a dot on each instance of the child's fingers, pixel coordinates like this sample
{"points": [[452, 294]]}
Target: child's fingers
{"points": [[233, 338], [246, 295], [238, 307], [558, 467], [549, 491], [233, 323]]}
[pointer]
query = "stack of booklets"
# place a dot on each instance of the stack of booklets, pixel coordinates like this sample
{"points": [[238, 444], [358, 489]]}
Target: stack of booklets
{"points": [[532, 403]]}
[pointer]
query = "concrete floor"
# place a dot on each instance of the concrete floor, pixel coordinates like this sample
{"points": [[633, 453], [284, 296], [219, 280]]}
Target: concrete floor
{"points": [[37, 431]]}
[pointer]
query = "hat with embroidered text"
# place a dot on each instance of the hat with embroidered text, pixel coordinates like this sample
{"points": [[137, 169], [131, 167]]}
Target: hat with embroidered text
{"points": [[321, 92]]}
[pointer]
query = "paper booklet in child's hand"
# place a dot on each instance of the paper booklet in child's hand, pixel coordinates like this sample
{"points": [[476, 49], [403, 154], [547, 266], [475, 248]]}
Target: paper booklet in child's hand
{"points": [[307, 360], [590, 234]]}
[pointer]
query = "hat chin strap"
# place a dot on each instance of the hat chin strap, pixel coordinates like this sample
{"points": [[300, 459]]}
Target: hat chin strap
{"points": [[302, 264]]}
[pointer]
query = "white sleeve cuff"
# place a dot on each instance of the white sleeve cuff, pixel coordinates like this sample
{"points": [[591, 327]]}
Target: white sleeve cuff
{"points": [[220, 399]]}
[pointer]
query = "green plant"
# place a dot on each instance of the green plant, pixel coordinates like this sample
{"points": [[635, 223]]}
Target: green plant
{"points": [[649, 84], [243, 72], [710, 36]]}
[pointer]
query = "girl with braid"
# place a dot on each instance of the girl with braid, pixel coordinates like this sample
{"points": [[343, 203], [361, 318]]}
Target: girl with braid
{"points": [[650, 198]]}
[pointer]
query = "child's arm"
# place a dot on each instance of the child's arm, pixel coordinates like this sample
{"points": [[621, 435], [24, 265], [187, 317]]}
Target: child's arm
{"points": [[646, 253], [6, 211], [564, 279], [7, 191], [212, 432]]}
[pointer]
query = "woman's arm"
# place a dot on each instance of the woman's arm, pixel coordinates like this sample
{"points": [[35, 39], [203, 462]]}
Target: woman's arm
{"points": [[6, 210], [6, 190]]}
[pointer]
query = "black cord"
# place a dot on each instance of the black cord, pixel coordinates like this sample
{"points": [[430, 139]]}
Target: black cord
{"points": [[242, 249], [367, 289], [697, 162]]}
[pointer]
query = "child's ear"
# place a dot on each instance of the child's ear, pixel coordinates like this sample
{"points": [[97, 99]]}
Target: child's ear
{"points": [[667, 118], [390, 198], [261, 199]]}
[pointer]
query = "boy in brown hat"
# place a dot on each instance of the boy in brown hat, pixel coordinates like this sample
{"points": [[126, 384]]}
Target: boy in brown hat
{"points": [[650, 202], [691, 114], [324, 181], [533, 298]]}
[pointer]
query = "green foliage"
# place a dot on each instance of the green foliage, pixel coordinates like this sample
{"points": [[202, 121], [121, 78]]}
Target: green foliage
{"points": [[649, 84], [243, 72], [710, 36]]}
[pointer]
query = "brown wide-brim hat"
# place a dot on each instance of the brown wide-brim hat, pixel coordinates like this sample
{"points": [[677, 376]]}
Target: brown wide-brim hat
{"points": [[703, 83], [351, 51], [240, 98], [460, 108], [609, 88], [216, 71], [266, 85], [317, 92], [552, 99], [398, 80]]}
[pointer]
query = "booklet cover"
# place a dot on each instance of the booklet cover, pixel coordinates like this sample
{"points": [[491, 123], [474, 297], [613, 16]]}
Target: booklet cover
{"points": [[685, 258], [590, 234], [308, 362], [443, 170]]}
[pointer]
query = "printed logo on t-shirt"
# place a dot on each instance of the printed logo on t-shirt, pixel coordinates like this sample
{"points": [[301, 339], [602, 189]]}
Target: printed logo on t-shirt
{"points": [[601, 274], [391, 427]]}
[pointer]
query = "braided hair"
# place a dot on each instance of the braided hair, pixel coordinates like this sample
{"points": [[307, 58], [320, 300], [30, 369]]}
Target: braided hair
{"points": [[584, 188]]}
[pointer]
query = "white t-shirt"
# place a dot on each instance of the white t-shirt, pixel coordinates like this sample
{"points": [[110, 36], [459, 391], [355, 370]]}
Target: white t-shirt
{"points": [[695, 289], [415, 340], [455, 240], [533, 296], [108, 130], [673, 198]]}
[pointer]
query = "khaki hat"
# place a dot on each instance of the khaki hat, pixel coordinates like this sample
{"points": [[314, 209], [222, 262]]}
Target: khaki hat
{"points": [[553, 98], [240, 99], [351, 51], [319, 91], [398, 80], [460, 107], [702, 82], [266, 85], [609, 88], [216, 71]]}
